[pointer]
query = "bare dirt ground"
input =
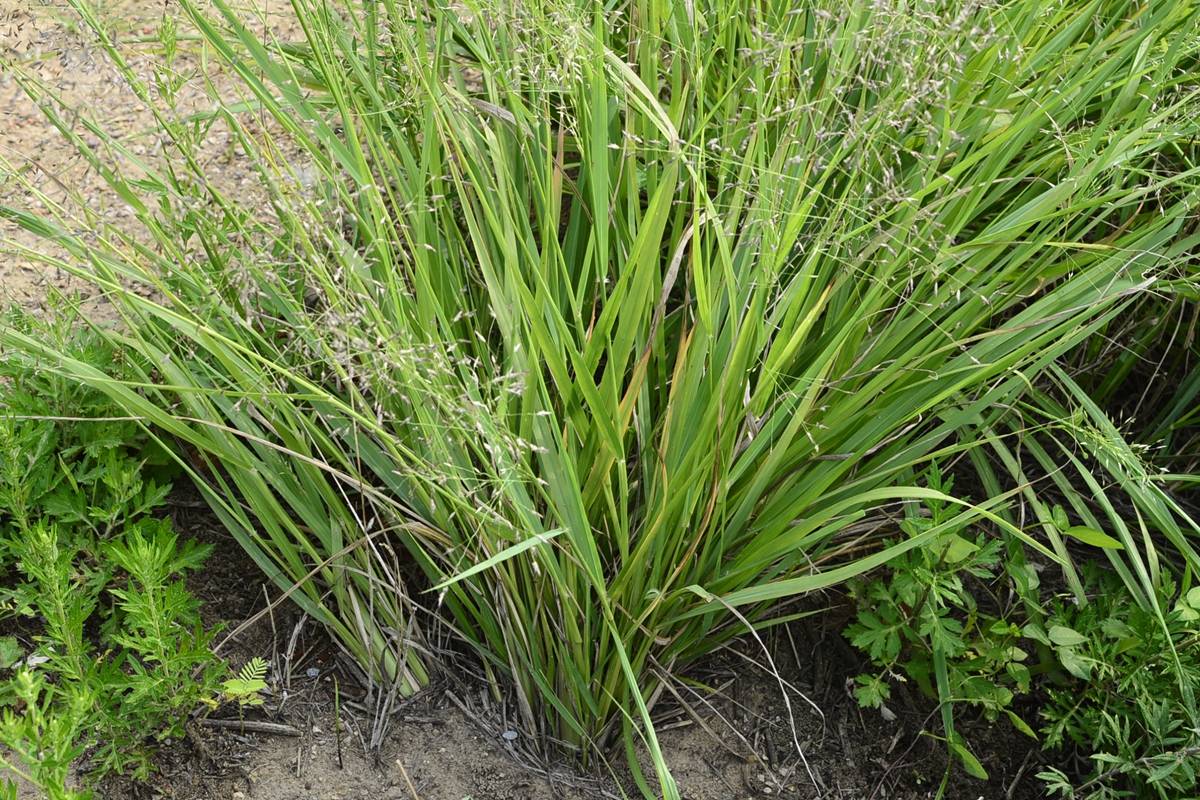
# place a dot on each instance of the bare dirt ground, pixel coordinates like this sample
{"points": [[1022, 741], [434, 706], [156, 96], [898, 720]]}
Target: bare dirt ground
{"points": [[448, 743], [38, 168], [41, 170]]}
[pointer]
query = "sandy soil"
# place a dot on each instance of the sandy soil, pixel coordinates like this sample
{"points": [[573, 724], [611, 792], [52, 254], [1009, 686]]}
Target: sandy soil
{"points": [[39, 169], [449, 741], [445, 744]]}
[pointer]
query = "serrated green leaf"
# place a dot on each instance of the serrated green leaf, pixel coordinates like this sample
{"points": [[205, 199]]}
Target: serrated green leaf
{"points": [[871, 691]]}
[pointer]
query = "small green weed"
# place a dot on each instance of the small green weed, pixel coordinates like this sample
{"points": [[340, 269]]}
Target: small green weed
{"points": [[1130, 706], [67, 455], [920, 621], [45, 737], [245, 688], [111, 655], [1116, 682]]}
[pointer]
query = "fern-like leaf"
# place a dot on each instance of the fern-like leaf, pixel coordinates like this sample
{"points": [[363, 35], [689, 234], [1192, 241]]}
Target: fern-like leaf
{"points": [[249, 682]]}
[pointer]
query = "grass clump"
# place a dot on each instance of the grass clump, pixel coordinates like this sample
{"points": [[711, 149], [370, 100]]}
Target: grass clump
{"points": [[613, 328]]}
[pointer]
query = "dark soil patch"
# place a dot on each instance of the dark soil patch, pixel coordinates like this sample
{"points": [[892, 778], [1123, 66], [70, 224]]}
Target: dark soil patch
{"points": [[751, 748]]}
